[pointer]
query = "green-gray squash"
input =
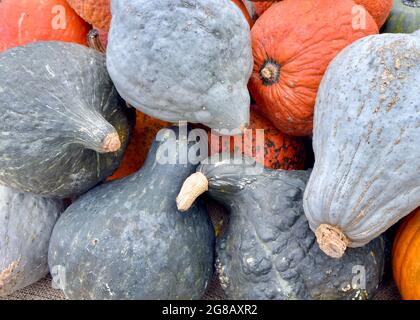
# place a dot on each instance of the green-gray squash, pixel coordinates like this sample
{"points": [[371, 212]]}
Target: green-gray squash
{"points": [[366, 142], [404, 17], [26, 223], [63, 126], [126, 240], [268, 250], [183, 60]]}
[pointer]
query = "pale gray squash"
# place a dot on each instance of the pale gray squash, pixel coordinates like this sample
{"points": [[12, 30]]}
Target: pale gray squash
{"points": [[182, 60], [268, 250], [366, 142], [26, 223], [126, 240], [63, 126]]}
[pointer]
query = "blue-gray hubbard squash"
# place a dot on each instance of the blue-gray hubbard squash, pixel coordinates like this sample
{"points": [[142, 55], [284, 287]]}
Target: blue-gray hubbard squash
{"points": [[26, 223], [63, 126], [126, 240], [366, 142], [268, 250], [182, 60]]}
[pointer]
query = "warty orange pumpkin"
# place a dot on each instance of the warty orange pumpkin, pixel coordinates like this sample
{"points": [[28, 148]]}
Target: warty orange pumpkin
{"points": [[406, 257], [23, 22], [293, 44], [95, 12], [281, 151]]}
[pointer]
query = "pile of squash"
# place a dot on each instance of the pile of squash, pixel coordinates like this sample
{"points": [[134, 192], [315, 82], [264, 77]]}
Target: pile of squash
{"points": [[119, 130]]}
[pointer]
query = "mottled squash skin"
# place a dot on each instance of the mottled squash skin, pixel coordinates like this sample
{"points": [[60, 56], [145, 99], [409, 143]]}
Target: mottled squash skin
{"points": [[95, 12], [126, 240], [25, 21], [367, 127], [406, 257], [293, 43], [268, 250], [280, 150], [143, 136], [26, 223], [57, 108], [182, 60], [404, 18]]}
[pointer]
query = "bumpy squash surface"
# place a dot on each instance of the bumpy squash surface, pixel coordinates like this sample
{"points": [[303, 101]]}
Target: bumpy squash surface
{"points": [[367, 128], [64, 128], [182, 60], [268, 250]]}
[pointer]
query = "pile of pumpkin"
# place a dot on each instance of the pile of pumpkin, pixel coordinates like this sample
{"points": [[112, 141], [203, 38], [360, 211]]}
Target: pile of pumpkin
{"points": [[86, 193]]}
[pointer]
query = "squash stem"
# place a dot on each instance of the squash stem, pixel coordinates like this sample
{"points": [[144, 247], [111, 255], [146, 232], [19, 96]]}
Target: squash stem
{"points": [[193, 187], [331, 240], [111, 143], [94, 41]]}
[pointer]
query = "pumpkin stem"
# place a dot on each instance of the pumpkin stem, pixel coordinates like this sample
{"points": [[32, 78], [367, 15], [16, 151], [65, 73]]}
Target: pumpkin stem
{"points": [[331, 240], [111, 143], [193, 187], [270, 72], [94, 41]]}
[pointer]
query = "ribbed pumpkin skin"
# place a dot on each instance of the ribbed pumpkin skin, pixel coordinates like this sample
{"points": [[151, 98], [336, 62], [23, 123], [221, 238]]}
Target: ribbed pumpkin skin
{"points": [[378, 9], [298, 39], [366, 134], [23, 22], [406, 257], [95, 12], [142, 138], [281, 151], [404, 18]]}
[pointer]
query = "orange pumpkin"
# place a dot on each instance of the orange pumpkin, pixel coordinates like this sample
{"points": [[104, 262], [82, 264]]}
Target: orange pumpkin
{"points": [[406, 257], [378, 9], [143, 136], [96, 12], [25, 21], [280, 150], [293, 43]]}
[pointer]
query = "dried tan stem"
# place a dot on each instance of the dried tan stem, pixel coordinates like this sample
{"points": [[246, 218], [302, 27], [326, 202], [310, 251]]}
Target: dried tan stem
{"points": [[193, 187], [331, 240], [94, 41], [111, 143]]}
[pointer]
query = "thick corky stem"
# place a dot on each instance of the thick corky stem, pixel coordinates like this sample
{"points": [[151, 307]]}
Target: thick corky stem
{"points": [[193, 187], [331, 240], [270, 72], [111, 143], [6, 275]]}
